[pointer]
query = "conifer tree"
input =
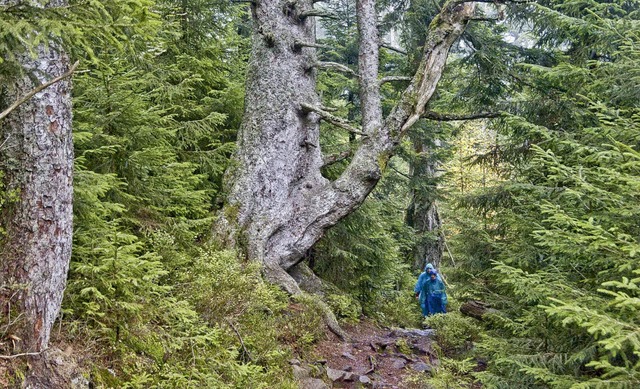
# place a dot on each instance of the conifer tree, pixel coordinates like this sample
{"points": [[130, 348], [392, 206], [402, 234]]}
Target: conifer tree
{"points": [[556, 245], [37, 159]]}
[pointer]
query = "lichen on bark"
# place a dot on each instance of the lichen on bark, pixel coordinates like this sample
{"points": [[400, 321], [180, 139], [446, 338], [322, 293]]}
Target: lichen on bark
{"points": [[281, 202]]}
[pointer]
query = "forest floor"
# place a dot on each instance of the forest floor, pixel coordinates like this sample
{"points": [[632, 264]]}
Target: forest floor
{"points": [[372, 357]]}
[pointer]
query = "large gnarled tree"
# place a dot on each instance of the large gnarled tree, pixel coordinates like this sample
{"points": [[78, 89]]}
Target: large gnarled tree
{"points": [[278, 202]]}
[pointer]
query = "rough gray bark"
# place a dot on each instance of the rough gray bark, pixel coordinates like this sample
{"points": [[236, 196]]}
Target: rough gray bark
{"points": [[422, 213], [37, 159], [278, 203]]}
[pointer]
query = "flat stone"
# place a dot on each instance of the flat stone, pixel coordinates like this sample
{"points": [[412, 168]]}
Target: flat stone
{"points": [[335, 375], [400, 332], [313, 383]]}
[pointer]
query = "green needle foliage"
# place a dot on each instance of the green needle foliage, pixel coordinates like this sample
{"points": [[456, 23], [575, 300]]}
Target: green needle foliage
{"points": [[555, 242]]}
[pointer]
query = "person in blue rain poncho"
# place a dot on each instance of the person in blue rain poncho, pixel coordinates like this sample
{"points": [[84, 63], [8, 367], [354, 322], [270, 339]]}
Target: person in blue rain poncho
{"points": [[435, 293], [422, 279]]}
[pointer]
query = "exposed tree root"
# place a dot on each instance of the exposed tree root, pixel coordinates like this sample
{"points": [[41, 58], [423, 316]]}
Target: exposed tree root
{"points": [[314, 285]]}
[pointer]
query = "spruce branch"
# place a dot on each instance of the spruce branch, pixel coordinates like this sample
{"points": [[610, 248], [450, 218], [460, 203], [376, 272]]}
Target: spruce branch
{"points": [[37, 89]]}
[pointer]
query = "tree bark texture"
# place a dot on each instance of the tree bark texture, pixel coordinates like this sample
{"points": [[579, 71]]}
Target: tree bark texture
{"points": [[422, 213], [37, 159], [278, 203]]}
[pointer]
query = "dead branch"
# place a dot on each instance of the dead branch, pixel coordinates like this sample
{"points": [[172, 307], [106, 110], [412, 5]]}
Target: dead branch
{"points": [[320, 13], [394, 78], [39, 88], [393, 48], [446, 117], [335, 66], [399, 172], [244, 348], [335, 158], [300, 44], [336, 121], [5, 141], [496, 2], [446, 246], [485, 18], [373, 366], [14, 356]]}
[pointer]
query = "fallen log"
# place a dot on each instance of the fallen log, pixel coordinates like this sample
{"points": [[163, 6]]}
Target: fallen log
{"points": [[476, 309]]}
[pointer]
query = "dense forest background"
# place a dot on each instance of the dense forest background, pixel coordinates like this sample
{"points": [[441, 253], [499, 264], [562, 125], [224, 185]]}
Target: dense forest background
{"points": [[522, 182]]}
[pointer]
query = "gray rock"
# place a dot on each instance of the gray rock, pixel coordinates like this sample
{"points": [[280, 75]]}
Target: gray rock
{"points": [[421, 367], [348, 356], [335, 375], [80, 382], [350, 377], [294, 361], [401, 332], [300, 372], [422, 347], [403, 356], [313, 383], [364, 380], [398, 364]]}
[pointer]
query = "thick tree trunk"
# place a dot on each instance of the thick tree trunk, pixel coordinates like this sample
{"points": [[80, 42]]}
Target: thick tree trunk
{"points": [[423, 213], [37, 158], [278, 203]]}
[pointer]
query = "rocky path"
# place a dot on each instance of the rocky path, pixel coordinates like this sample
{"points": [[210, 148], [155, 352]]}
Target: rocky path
{"points": [[372, 358]]}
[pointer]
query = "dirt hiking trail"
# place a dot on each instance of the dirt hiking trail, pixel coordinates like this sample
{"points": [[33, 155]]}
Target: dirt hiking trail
{"points": [[372, 357]]}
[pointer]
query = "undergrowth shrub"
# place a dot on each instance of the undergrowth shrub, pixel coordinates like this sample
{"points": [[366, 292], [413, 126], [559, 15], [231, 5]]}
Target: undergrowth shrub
{"points": [[399, 308], [345, 307], [454, 332], [221, 327]]}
